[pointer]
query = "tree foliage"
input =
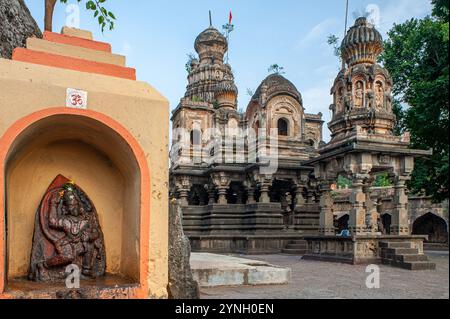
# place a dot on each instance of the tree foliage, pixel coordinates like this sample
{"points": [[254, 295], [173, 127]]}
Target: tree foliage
{"points": [[105, 18], [276, 69], [416, 55]]}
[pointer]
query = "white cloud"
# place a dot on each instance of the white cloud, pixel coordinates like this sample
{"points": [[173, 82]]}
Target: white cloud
{"points": [[401, 10], [320, 30]]}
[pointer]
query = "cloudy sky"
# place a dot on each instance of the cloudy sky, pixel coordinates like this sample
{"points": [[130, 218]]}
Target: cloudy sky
{"points": [[156, 37]]}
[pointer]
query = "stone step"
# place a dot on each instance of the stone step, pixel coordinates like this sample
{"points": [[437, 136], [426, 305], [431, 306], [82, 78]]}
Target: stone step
{"points": [[298, 241], [415, 265], [296, 246], [401, 251], [411, 258], [294, 251], [435, 246], [395, 244]]}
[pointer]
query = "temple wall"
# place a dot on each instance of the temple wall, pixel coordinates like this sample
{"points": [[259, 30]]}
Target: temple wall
{"points": [[27, 88]]}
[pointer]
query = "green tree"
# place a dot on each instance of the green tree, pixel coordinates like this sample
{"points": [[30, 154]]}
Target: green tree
{"points": [[416, 55], [276, 69], [105, 18]]}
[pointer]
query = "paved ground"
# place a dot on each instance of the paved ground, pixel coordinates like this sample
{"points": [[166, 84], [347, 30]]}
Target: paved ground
{"points": [[312, 279]]}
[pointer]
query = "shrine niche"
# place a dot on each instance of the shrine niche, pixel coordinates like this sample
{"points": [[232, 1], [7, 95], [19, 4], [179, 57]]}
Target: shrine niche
{"points": [[66, 232]]}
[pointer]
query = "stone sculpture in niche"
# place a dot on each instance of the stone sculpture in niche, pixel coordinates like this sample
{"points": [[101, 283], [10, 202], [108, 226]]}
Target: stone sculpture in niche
{"points": [[66, 231]]}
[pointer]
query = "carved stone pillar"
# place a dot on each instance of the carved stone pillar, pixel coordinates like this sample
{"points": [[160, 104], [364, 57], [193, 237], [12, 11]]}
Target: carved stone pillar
{"points": [[251, 195], [211, 194], [183, 185], [222, 182], [183, 194], [326, 210], [357, 221], [399, 223], [371, 208], [264, 198], [222, 190], [298, 191], [310, 196]]}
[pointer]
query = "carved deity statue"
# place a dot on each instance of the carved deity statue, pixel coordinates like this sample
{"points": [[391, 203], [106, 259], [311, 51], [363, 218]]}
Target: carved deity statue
{"points": [[379, 95], [66, 232], [359, 95], [340, 100]]}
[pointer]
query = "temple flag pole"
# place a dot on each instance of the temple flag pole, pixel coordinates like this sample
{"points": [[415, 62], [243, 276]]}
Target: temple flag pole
{"points": [[345, 28], [228, 29]]}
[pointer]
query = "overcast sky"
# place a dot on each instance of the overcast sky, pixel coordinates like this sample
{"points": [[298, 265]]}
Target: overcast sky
{"points": [[156, 37]]}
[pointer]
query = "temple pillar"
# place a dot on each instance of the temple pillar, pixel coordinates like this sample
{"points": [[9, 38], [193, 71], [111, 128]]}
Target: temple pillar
{"points": [[183, 196], [371, 208], [222, 182], [183, 185], [211, 196], [251, 195], [326, 210], [298, 191], [399, 223], [309, 197], [357, 220], [222, 190], [264, 198]]}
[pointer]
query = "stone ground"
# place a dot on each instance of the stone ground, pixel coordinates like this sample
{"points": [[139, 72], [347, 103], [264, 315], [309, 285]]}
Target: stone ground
{"points": [[323, 280]]}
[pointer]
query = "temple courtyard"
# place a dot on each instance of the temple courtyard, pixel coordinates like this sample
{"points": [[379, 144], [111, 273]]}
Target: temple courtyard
{"points": [[312, 279]]}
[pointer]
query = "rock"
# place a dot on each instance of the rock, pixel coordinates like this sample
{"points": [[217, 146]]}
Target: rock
{"points": [[181, 282], [16, 25]]}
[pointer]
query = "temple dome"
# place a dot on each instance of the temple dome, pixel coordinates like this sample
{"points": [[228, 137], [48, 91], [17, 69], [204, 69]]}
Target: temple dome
{"points": [[276, 84], [226, 87], [211, 44], [362, 44]]}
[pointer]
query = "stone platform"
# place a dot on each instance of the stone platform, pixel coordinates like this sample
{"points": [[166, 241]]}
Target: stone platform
{"points": [[399, 251], [211, 270]]}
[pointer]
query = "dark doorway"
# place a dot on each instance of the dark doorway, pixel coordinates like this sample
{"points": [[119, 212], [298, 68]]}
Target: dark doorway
{"points": [[386, 220], [342, 223], [283, 127], [433, 226]]}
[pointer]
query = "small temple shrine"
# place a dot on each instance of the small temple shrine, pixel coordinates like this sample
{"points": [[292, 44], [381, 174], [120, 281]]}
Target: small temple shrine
{"points": [[83, 173]]}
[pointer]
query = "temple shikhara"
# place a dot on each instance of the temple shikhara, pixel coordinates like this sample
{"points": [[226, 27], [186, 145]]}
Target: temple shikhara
{"points": [[235, 201]]}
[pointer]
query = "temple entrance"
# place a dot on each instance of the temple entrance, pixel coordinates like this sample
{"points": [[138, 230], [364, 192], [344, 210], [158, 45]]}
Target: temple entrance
{"points": [[433, 226], [386, 219], [236, 193], [342, 223], [197, 196]]}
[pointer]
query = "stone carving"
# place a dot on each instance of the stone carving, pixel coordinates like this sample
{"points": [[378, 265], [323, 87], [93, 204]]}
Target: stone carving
{"points": [[379, 95], [67, 231], [359, 95]]}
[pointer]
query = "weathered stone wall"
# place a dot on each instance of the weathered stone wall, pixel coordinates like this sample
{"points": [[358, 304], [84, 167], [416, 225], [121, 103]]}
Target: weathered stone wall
{"points": [[16, 25]]}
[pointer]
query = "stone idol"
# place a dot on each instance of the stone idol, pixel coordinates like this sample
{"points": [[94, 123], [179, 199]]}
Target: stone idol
{"points": [[66, 232]]}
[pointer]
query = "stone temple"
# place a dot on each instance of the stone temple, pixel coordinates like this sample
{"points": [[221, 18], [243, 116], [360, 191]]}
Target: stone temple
{"points": [[264, 181]]}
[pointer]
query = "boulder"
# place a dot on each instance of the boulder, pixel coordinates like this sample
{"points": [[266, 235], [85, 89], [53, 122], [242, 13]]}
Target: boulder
{"points": [[181, 282], [16, 25]]}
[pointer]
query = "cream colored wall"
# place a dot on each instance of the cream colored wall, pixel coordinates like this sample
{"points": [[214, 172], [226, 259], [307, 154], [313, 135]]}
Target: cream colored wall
{"points": [[136, 105]]}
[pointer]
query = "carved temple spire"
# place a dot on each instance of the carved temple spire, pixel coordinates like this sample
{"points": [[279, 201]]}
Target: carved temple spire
{"points": [[363, 90]]}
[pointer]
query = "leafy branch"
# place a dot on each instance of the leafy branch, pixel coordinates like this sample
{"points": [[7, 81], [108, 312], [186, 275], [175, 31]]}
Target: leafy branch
{"points": [[105, 18]]}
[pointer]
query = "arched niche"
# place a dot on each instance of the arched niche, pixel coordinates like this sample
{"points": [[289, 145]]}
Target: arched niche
{"points": [[99, 155]]}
